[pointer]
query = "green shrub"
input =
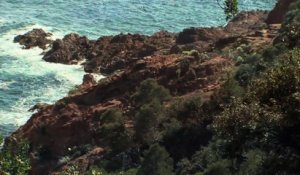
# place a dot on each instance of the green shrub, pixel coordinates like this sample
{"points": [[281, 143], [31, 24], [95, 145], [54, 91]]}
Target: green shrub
{"points": [[231, 88], [148, 91], [157, 162], [218, 168], [267, 118], [14, 158], [187, 110], [147, 122], [113, 132], [290, 32], [282, 80], [253, 162], [149, 117], [113, 115]]}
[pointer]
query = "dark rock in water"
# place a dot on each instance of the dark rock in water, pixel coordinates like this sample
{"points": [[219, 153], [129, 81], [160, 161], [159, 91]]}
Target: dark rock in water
{"points": [[71, 49], [34, 38]]}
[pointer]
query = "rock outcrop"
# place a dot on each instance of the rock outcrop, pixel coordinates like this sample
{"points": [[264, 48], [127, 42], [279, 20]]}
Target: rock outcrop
{"points": [[108, 53], [34, 38], [277, 14], [69, 50]]}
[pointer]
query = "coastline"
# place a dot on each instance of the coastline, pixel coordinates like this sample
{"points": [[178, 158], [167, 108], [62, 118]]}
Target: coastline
{"points": [[132, 59], [12, 20]]}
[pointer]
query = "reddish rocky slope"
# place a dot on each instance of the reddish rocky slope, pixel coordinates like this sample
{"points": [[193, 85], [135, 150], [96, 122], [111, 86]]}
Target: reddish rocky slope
{"points": [[191, 62]]}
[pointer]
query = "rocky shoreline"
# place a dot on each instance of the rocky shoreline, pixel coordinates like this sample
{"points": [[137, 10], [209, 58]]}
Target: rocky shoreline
{"points": [[110, 53], [190, 63]]}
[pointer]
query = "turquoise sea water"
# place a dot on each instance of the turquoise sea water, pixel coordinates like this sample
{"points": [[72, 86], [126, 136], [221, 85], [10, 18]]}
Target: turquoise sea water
{"points": [[26, 80]]}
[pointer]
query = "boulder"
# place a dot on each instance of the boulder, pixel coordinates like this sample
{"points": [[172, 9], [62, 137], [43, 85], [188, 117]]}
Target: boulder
{"points": [[34, 38], [69, 50], [277, 14]]}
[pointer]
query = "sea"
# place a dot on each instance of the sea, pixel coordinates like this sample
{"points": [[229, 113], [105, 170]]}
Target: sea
{"points": [[25, 79]]}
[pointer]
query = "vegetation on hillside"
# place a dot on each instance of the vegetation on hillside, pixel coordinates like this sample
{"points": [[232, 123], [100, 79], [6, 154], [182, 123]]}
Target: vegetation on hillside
{"points": [[250, 126], [14, 158]]}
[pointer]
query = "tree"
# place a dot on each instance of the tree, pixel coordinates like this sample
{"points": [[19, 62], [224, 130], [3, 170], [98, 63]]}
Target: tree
{"points": [[267, 118], [230, 8], [148, 91], [147, 122], [157, 162], [113, 132], [149, 98]]}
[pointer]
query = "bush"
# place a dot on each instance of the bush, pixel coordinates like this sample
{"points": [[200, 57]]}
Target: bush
{"points": [[211, 160], [149, 117], [14, 158], [113, 132], [148, 91], [282, 80], [187, 110], [291, 25], [244, 74], [267, 118], [147, 122], [157, 162], [253, 65], [231, 88], [113, 115]]}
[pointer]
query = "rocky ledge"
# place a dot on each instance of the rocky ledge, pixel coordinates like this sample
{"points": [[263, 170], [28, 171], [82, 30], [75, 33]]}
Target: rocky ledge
{"points": [[188, 63], [34, 38]]}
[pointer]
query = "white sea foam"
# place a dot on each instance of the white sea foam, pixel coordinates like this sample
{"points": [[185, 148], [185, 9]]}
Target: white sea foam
{"points": [[29, 63], [2, 21], [5, 85]]}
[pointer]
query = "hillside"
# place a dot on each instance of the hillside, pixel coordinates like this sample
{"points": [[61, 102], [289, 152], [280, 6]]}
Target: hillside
{"points": [[220, 100]]}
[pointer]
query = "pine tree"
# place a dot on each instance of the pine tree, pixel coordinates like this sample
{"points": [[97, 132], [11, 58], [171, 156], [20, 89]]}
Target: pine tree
{"points": [[157, 162]]}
